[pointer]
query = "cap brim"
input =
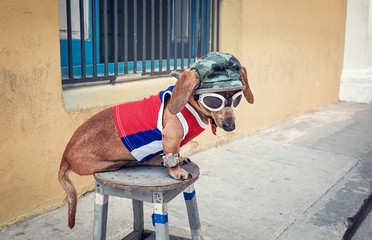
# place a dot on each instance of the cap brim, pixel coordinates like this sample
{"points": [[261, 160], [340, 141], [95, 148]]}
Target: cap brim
{"points": [[221, 89]]}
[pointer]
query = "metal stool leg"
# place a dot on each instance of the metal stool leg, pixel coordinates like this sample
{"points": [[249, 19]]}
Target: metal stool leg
{"points": [[192, 212], [100, 216], [138, 222], [160, 217]]}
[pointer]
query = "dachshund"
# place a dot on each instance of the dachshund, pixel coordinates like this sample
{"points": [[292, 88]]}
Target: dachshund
{"points": [[95, 146]]}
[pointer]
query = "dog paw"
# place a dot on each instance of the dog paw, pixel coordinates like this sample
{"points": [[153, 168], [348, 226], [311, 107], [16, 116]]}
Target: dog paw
{"points": [[179, 173], [184, 160], [188, 177]]}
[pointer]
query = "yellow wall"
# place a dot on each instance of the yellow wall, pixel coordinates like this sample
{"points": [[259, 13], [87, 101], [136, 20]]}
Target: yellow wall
{"points": [[34, 124], [293, 52]]}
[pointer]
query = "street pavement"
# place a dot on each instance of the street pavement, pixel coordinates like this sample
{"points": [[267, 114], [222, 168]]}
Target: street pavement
{"points": [[304, 178]]}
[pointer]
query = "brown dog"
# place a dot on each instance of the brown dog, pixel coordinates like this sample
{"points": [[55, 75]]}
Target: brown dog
{"points": [[96, 146]]}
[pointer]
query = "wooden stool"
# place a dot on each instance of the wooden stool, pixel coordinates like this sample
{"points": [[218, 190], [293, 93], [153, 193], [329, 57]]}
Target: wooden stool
{"points": [[149, 184]]}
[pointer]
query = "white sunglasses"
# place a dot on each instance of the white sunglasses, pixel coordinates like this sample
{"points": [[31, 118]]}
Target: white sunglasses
{"points": [[215, 102]]}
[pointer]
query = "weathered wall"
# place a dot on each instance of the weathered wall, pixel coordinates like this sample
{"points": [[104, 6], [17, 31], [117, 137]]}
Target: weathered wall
{"points": [[34, 124], [293, 52]]}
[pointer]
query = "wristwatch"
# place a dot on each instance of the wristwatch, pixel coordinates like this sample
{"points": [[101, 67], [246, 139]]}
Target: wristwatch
{"points": [[171, 159]]}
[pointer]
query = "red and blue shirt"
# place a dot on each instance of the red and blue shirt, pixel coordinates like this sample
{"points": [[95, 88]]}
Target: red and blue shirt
{"points": [[139, 125]]}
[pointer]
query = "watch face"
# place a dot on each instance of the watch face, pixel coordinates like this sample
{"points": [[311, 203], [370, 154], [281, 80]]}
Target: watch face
{"points": [[170, 159]]}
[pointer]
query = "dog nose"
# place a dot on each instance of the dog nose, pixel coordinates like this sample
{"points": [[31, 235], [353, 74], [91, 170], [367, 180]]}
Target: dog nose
{"points": [[229, 127]]}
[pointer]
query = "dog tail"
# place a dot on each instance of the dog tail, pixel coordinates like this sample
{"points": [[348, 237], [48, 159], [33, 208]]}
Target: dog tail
{"points": [[69, 189]]}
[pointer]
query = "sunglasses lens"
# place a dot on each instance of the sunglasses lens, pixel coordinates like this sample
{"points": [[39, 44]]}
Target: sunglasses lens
{"points": [[237, 101], [212, 102]]}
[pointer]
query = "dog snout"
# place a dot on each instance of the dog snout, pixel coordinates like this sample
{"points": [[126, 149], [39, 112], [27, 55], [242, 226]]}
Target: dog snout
{"points": [[229, 126]]}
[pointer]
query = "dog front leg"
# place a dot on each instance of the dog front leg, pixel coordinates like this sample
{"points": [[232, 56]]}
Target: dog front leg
{"points": [[171, 146]]}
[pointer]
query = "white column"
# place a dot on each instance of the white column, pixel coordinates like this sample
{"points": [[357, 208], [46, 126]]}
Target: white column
{"points": [[356, 78]]}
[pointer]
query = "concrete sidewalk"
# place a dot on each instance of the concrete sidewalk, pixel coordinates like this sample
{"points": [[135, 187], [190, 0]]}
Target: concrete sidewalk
{"points": [[300, 179]]}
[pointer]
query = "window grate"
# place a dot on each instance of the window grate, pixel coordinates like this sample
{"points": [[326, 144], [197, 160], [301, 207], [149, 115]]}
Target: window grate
{"points": [[128, 38]]}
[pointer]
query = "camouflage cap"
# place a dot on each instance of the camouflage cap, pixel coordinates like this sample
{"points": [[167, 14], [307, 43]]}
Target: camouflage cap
{"points": [[218, 72]]}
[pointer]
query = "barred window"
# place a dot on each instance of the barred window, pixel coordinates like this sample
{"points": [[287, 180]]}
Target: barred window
{"points": [[108, 40]]}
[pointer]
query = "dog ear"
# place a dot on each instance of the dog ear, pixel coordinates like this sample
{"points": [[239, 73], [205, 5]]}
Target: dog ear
{"points": [[185, 86], [247, 92]]}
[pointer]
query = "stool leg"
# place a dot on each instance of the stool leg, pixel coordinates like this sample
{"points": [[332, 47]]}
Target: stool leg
{"points": [[192, 212], [138, 222], [160, 217], [100, 216]]}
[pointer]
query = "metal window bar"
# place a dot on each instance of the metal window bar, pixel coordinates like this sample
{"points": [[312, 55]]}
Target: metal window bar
{"points": [[182, 36], [105, 38], [189, 46], [208, 26], [69, 38], [218, 26], [125, 38], [135, 39], [212, 26], [144, 37], [175, 27], [82, 40], [196, 32], [201, 28], [94, 39], [160, 36], [168, 34], [122, 46], [115, 13], [152, 35]]}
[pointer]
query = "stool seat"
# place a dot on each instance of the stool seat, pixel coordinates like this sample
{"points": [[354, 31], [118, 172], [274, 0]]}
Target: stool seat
{"points": [[144, 177], [146, 184]]}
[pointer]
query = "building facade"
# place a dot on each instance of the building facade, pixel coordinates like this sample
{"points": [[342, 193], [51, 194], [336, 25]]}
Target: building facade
{"points": [[293, 51]]}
